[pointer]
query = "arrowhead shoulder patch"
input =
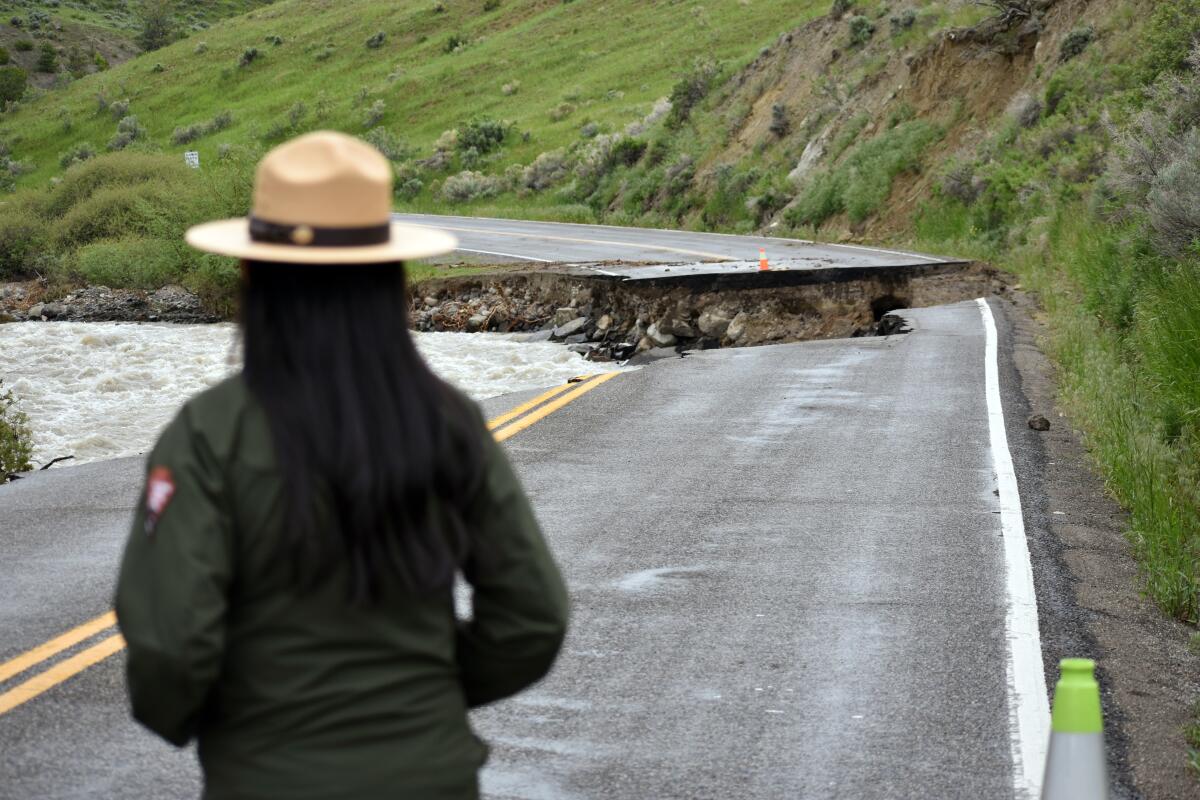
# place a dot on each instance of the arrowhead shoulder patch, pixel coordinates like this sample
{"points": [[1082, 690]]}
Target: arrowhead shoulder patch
{"points": [[160, 488]]}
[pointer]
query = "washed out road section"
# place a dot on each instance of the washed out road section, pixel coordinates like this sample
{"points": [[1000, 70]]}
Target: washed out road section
{"points": [[504, 240], [787, 575]]}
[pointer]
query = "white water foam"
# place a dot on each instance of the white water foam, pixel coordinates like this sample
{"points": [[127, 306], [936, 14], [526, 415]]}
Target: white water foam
{"points": [[105, 389]]}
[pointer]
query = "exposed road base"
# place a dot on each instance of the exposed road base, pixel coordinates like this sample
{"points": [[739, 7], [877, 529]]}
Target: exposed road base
{"points": [[601, 311]]}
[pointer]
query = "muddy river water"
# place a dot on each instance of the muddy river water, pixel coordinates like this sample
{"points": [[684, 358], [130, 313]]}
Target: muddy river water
{"points": [[105, 390]]}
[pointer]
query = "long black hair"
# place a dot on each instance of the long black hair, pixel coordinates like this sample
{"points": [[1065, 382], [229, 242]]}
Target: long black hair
{"points": [[361, 427]]}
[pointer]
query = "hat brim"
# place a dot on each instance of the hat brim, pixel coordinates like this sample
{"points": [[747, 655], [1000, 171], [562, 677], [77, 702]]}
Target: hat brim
{"points": [[231, 237]]}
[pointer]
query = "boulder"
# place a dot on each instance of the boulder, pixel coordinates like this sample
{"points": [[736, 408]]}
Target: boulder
{"points": [[660, 338], [677, 327], [1039, 423], [35, 311], [604, 323], [713, 323], [570, 327], [476, 323], [737, 327], [564, 315]]}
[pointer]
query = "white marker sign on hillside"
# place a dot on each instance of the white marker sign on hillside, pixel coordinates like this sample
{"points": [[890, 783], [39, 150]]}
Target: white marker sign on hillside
{"points": [[192, 159]]}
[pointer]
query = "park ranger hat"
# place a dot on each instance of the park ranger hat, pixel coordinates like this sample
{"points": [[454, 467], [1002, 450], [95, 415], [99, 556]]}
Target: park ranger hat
{"points": [[322, 198]]}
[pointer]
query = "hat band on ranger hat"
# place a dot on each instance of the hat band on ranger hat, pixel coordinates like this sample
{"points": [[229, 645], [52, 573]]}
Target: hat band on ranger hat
{"points": [[315, 236]]}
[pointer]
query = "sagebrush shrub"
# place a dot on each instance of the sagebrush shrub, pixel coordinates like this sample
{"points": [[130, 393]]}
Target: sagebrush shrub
{"points": [[903, 21], [119, 109], [1076, 42], [374, 114], [376, 40], [409, 188], [248, 57], [781, 123], [690, 90], [861, 30], [839, 8], [129, 130], [1156, 163], [484, 134], [467, 186], [545, 171], [392, 146], [77, 155]]}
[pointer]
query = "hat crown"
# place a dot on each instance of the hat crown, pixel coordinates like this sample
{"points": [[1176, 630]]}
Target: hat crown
{"points": [[324, 180]]}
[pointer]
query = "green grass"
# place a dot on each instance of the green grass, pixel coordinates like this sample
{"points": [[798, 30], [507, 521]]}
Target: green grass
{"points": [[558, 52]]}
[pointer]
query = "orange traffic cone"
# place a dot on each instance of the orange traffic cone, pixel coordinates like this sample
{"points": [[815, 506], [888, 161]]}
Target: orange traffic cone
{"points": [[763, 266]]}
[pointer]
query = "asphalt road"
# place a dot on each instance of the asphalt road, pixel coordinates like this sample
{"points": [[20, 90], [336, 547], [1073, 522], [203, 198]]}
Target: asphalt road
{"points": [[502, 240], [787, 576]]}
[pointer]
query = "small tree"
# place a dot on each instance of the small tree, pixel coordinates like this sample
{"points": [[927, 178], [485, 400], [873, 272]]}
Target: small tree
{"points": [[156, 20], [47, 59], [12, 84]]}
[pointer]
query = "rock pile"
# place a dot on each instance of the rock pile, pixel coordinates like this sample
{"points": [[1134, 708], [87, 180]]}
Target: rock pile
{"points": [[102, 304]]}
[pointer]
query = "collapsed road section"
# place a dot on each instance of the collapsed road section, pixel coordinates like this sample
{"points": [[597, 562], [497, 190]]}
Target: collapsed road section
{"points": [[613, 311]]}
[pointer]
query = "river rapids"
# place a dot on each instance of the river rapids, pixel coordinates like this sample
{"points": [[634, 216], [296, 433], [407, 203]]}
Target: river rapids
{"points": [[105, 390]]}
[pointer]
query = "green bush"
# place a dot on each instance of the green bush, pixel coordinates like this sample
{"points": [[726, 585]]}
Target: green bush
{"points": [[4, 57], [131, 262], [392, 146], [23, 236], [1076, 42], [861, 30], [861, 183], [129, 130], [116, 211], [23, 45], [376, 41], [112, 170], [13, 81], [689, 90], [627, 151], [81, 152], [1172, 31], [16, 445], [47, 58], [483, 134]]}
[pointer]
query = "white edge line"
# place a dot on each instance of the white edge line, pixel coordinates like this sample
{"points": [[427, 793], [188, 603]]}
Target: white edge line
{"points": [[1028, 710], [767, 239], [506, 255]]}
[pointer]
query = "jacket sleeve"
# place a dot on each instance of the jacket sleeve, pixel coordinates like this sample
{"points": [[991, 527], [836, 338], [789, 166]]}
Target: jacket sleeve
{"points": [[519, 599], [171, 594]]}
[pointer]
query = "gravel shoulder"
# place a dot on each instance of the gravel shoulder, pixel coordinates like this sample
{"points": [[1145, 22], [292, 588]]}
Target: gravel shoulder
{"points": [[1087, 580]]}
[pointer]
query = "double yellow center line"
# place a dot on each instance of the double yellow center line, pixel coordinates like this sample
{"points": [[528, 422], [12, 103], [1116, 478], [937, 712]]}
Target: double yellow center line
{"points": [[502, 427]]}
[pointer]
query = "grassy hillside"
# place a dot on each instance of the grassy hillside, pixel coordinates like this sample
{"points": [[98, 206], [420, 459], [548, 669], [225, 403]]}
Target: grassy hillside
{"points": [[312, 67], [91, 35]]}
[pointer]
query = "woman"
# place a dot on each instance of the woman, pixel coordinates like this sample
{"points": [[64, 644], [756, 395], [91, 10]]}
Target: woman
{"points": [[286, 591]]}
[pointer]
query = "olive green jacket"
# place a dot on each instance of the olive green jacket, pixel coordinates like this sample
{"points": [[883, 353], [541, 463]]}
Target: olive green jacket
{"points": [[295, 693]]}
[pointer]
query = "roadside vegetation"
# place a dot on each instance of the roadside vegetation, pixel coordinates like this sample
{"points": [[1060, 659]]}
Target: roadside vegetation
{"points": [[16, 446]]}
